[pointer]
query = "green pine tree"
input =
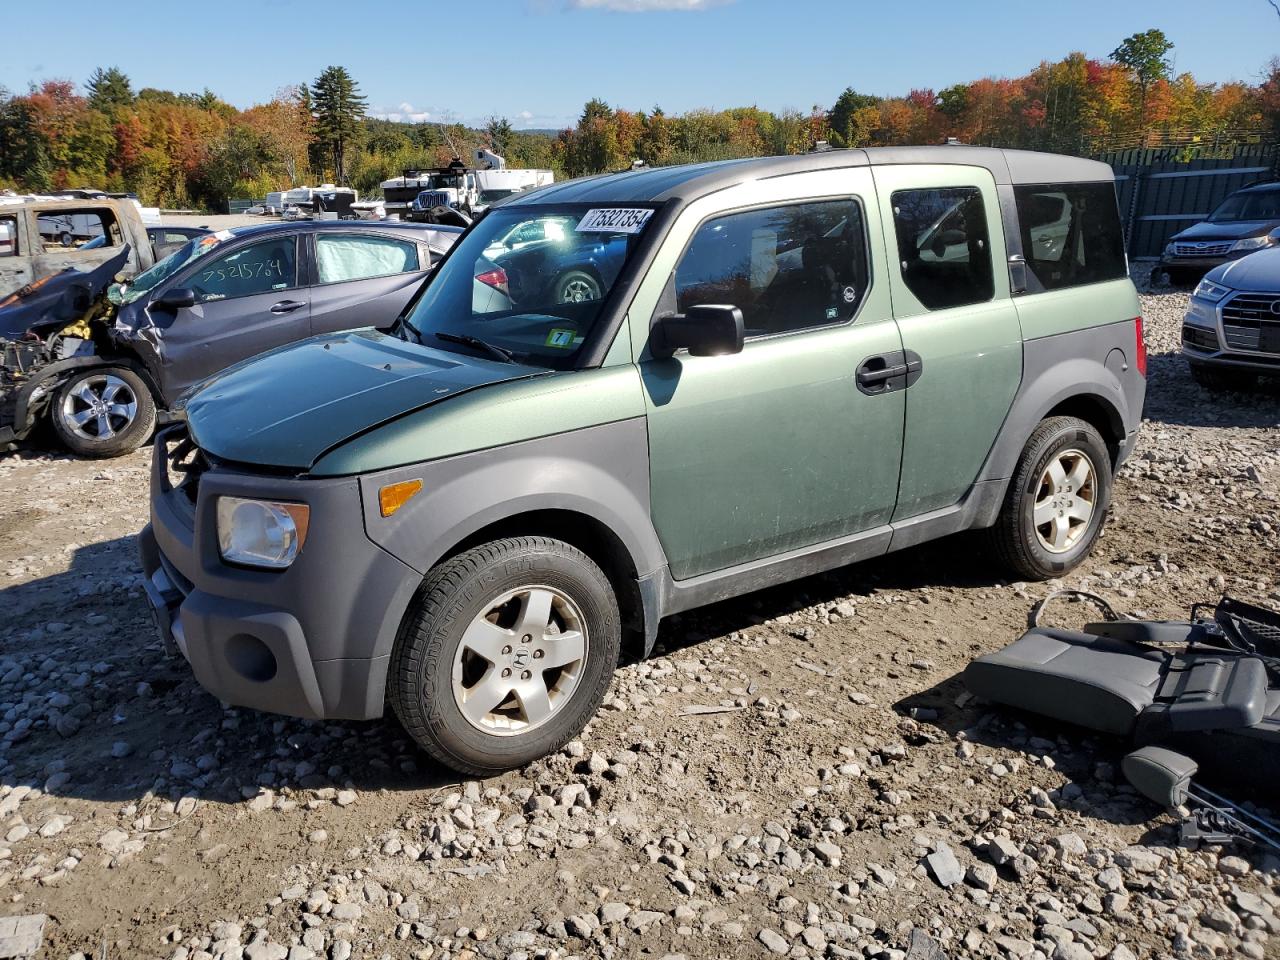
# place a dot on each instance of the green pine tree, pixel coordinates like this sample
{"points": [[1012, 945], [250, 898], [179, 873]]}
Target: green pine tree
{"points": [[338, 107]]}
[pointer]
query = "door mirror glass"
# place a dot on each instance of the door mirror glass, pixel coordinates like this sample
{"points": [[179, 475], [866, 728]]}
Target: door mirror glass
{"points": [[175, 299], [706, 330]]}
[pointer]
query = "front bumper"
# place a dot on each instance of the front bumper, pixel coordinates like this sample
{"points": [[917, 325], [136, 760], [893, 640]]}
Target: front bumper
{"points": [[310, 641], [1262, 363]]}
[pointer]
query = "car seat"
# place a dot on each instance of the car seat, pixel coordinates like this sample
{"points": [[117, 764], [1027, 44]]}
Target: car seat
{"points": [[1182, 685]]}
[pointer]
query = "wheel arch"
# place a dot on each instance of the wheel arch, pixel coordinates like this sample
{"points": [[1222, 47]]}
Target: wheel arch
{"points": [[584, 532]]}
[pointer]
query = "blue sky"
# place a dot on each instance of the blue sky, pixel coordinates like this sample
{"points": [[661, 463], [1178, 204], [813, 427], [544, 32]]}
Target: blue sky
{"points": [[537, 61]]}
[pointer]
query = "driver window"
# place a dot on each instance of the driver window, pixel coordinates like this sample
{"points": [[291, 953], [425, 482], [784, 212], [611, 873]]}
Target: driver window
{"points": [[258, 268], [787, 268]]}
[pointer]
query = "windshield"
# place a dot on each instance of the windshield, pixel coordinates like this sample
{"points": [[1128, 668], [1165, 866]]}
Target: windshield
{"points": [[148, 280], [1256, 205], [529, 280]]}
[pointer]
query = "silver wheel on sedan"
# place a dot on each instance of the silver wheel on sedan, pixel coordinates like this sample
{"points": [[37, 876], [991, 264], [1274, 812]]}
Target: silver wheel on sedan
{"points": [[1065, 501], [520, 660], [99, 408]]}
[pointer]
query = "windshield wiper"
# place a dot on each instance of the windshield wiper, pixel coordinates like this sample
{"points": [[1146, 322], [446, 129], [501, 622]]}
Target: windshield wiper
{"points": [[404, 322], [498, 353]]}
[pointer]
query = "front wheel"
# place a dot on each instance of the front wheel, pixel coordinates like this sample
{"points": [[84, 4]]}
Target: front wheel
{"points": [[104, 412], [505, 654], [1056, 502]]}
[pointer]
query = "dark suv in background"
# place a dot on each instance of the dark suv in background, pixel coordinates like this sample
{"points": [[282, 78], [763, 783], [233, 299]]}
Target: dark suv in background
{"points": [[1247, 221]]}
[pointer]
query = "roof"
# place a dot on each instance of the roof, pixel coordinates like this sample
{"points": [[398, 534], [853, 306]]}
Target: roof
{"points": [[426, 232], [686, 182]]}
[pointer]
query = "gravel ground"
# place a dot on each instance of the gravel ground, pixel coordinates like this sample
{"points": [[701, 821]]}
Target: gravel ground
{"points": [[845, 798]]}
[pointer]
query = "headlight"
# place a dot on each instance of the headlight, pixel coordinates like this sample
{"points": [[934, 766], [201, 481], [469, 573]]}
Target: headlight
{"points": [[261, 533], [1168, 249], [1254, 243], [1208, 290]]}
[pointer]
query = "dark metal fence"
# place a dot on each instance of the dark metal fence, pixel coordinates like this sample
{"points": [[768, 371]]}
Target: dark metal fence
{"points": [[1161, 194]]}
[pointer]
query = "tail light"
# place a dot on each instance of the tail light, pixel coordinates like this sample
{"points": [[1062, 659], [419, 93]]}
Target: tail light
{"points": [[1140, 347], [496, 278]]}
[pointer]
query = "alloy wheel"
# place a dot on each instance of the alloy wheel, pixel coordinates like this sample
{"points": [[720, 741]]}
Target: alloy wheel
{"points": [[100, 408], [520, 660], [1066, 498]]}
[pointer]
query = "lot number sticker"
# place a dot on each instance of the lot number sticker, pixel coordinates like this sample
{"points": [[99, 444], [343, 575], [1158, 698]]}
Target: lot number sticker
{"points": [[614, 220]]}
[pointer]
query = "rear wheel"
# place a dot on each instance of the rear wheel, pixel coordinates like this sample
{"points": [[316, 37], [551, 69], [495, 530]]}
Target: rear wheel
{"points": [[1056, 502], [505, 654], [104, 412], [577, 286], [1222, 379]]}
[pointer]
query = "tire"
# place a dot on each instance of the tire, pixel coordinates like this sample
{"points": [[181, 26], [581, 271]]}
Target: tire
{"points": [[1222, 380], [480, 596], [1039, 552], [66, 239], [576, 286], [126, 412]]}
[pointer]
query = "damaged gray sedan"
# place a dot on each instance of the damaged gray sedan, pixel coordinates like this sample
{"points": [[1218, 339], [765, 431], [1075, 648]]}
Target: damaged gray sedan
{"points": [[106, 361]]}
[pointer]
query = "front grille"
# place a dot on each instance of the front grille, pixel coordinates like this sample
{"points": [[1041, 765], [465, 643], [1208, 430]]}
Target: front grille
{"points": [[1199, 337], [184, 464], [1251, 321], [1202, 249]]}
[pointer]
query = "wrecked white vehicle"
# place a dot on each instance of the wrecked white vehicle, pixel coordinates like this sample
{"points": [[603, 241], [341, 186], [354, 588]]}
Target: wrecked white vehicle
{"points": [[41, 237], [106, 361]]}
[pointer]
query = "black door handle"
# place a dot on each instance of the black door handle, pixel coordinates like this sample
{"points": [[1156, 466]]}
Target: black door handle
{"points": [[287, 306], [886, 372]]}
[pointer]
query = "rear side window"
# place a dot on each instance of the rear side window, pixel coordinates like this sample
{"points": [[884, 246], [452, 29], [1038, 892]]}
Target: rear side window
{"points": [[358, 257], [787, 268], [71, 229], [944, 249], [1071, 234], [9, 237], [258, 268]]}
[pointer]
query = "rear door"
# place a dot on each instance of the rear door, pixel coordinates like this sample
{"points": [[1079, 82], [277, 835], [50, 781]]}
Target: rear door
{"points": [[951, 300], [248, 300], [362, 278]]}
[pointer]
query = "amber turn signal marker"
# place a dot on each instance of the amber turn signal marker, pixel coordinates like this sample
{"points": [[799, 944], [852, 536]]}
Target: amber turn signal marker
{"points": [[395, 495]]}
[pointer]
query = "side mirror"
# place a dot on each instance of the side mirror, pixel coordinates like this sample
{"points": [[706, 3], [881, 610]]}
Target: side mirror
{"points": [[707, 330], [175, 299]]}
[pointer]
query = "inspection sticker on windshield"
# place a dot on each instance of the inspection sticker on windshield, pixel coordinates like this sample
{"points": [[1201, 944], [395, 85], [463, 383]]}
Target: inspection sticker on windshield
{"points": [[614, 220], [562, 338]]}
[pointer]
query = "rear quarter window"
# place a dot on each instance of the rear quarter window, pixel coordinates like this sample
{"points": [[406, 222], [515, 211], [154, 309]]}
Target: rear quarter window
{"points": [[1071, 234]]}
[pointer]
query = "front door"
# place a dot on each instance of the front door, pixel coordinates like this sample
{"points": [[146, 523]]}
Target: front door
{"points": [[248, 301], [778, 447], [951, 298]]}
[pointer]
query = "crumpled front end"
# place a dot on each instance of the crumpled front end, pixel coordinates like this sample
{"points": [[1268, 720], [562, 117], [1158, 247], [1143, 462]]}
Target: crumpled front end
{"points": [[47, 329]]}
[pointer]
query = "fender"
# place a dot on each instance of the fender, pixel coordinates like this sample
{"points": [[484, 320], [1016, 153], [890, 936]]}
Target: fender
{"points": [[600, 473], [1062, 368]]}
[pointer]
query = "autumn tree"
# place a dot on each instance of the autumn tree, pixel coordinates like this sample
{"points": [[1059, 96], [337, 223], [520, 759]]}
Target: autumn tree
{"points": [[338, 108], [852, 118]]}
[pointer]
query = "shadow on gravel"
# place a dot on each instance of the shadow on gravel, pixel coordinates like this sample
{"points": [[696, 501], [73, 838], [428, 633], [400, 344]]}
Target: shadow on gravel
{"points": [[1174, 398], [956, 561], [94, 709]]}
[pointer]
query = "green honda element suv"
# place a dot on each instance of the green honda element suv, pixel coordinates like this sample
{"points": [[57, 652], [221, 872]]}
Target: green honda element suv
{"points": [[621, 397]]}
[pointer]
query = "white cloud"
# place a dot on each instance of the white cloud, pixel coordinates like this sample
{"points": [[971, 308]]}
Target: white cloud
{"points": [[645, 6], [525, 115], [405, 113]]}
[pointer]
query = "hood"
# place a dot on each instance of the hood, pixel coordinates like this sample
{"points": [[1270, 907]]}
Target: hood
{"points": [[287, 407], [1258, 272], [53, 302], [1225, 230]]}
